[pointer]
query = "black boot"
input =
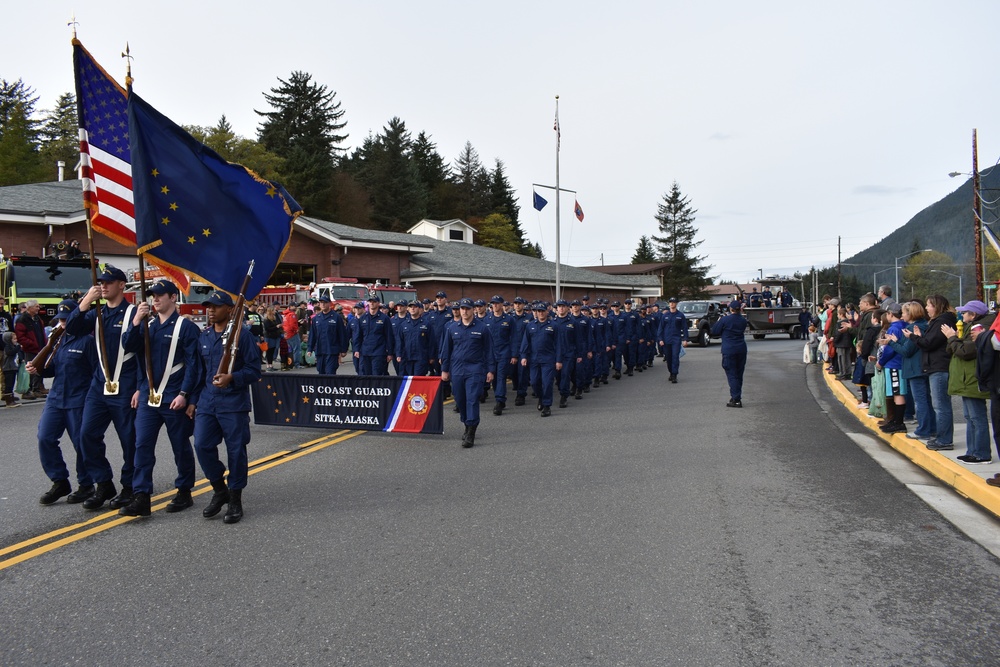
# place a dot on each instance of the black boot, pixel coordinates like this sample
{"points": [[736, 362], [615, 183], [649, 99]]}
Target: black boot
{"points": [[235, 510], [219, 498], [617, 375], [629, 371], [181, 501], [562, 401], [546, 411], [673, 378], [465, 437], [470, 438], [122, 499], [138, 507], [105, 491], [498, 408], [58, 490], [579, 395], [81, 494], [519, 400]]}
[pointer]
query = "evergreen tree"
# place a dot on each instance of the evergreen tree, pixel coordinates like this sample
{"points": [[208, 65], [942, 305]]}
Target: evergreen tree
{"points": [[20, 161], [472, 182], [645, 253], [685, 276], [304, 129], [398, 196], [497, 231], [503, 200], [536, 251], [60, 136], [434, 175]]}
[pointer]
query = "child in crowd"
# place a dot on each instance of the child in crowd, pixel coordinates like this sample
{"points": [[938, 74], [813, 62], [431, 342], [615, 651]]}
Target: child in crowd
{"points": [[11, 350], [813, 344], [843, 341]]}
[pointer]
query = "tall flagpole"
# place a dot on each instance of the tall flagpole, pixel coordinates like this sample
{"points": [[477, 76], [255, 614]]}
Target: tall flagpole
{"points": [[558, 139]]}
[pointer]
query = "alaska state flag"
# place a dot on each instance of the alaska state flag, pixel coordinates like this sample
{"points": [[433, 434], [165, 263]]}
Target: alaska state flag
{"points": [[199, 213], [538, 201]]}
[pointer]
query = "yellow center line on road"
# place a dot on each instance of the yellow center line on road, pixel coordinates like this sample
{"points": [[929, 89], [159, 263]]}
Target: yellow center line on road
{"points": [[108, 520]]}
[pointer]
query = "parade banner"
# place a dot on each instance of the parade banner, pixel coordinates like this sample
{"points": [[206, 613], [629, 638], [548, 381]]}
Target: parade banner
{"points": [[394, 404]]}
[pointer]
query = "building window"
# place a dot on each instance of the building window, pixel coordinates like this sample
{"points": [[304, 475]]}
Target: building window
{"points": [[456, 235]]}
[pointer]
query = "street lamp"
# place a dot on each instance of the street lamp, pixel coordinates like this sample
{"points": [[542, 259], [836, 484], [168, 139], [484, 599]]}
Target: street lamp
{"points": [[896, 293], [874, 283], [953, 275]]}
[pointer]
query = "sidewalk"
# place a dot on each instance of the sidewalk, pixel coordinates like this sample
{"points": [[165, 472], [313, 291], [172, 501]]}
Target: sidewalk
{"points": [[968, 481]]}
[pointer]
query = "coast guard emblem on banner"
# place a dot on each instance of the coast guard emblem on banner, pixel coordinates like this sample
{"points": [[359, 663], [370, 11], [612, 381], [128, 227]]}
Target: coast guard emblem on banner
{"points": [[417, 404]]}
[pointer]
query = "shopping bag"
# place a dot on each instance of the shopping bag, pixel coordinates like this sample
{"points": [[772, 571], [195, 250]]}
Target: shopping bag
{"points": [[23, 379], [806, 356]]}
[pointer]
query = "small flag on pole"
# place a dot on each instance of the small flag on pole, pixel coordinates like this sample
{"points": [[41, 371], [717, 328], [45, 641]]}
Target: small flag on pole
{"points": [[555, 126], [578, 210], [539, 202]]}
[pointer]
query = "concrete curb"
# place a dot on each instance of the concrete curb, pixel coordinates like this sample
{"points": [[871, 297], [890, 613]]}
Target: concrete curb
{"points": [[966, 482]]}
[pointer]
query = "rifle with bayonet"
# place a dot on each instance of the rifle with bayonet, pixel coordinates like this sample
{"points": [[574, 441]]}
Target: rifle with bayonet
{"points": [[231, 336]]}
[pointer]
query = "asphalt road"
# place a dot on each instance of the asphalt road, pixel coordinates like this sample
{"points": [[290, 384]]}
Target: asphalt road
{"points": [[644, 525]]}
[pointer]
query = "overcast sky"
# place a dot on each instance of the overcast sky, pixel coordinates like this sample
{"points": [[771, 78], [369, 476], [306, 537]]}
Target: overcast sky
{"points": [[787, 123]]}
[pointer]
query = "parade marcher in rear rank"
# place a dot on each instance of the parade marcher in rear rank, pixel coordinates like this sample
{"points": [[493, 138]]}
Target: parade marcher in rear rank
{"points": [[673, 335], [645, 339], [734, 351], [72, 364], [353, 324], [163, 398], [617, 322], [416, 346], [222, 411], [584, 349], [373, 340], [112, 399], [465, 358], [541, 350], [603, 330], [630, 354], [397, 315], [502, 329], [327, 337], [520, 375], [567, 332]]}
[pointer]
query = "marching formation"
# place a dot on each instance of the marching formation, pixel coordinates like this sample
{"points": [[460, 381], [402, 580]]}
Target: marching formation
{"points": [[145, 368]]}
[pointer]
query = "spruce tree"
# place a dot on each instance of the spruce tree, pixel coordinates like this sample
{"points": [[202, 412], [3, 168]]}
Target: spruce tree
{"points": [[304, 128], [686, 276], [645, 253], [472, 182], [60, 136], [398, 196], [433, 174], [503, 200], [20, 160]]}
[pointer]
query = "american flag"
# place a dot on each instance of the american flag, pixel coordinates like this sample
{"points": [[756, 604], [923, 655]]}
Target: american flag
{"points": [[555, 127], [104, 148]]}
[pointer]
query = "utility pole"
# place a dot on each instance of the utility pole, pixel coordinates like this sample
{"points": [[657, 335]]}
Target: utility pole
{"points": [[977, 208], [839, 295]]}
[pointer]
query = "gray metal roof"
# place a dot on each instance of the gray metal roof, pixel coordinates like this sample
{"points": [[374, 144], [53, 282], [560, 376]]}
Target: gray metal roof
{"points": [[464, 260], [55, 198], [369, 235]]}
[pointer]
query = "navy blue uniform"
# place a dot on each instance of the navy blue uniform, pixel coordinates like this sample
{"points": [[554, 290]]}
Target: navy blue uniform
{"points": [[71, 364], [373, 340], [617, 337], [630, 339], [184, 376], [567, 333], [521, 375], [223, 413], [102, 409], [415, 346], [734, 351], [542, 347], [466, 354], [672, 335], [328, 338], [585, 351], [503, 332], [602, 328]]}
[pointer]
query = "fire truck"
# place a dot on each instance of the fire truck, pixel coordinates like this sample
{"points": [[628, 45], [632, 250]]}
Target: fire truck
{"points": [[187, 304], [348, 291], [47, 281]]}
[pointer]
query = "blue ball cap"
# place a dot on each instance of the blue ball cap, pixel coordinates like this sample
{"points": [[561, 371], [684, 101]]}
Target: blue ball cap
{"points": [[616, 304], [672, 299], [427, 301], [478, 302], [562, 302], [111, 273], [324, 297], [575, 302], [441, 295], [538, 306], [586, 309], [735, 305], [219, 298], [455, 306], [585, 297], [359, 304], [163, 287], [402, 303], [496, 299], [65, 307], [466, 303], [520, 299], [628, 301]]}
